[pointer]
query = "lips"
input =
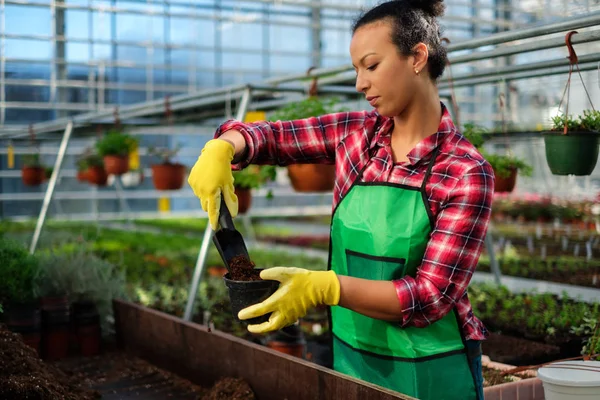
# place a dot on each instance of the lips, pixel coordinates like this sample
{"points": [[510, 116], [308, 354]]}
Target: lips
{"points": [[372, 100]]}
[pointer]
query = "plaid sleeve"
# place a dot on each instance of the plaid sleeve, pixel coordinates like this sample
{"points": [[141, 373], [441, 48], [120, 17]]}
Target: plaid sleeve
{"points": [[310, 140], [452, 252]]}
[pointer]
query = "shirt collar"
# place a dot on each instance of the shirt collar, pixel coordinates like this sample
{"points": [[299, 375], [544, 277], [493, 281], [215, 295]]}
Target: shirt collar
{"points": [[425, 146]]}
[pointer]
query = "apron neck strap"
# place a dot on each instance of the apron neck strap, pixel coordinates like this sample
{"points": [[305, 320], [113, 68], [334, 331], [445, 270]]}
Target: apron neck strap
{"points": [[434, 155]]}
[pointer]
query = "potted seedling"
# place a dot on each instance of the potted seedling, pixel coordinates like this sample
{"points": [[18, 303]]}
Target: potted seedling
{"points": [[309, 177], [167, 175], [90, 166], [251, 177], [572, 143], [33, 173], [114, 148], [506, 167]]}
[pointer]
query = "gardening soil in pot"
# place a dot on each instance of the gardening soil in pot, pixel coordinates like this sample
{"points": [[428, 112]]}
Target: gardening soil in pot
{"points": [[246, 287], [23, 375]]}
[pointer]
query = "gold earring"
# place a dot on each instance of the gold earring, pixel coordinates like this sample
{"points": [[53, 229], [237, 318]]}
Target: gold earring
{"points": [[417, 71]]}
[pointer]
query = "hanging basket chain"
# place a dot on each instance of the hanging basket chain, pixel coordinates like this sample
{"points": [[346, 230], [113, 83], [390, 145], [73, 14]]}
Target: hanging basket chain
{"points": [[574, 63], [313, 90]]}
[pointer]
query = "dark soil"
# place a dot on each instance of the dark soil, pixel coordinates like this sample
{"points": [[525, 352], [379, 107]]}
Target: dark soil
{"points": [[492, 377], [23, 375], [517, 351], [242, 269], [230, 389]]}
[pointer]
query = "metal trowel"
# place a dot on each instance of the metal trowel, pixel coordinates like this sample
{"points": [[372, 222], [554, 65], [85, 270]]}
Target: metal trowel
{"points": [[227, 239]]}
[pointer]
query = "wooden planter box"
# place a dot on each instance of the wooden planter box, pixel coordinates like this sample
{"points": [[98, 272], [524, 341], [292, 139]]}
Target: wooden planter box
{"points": [[527, 389], [189, 350]]}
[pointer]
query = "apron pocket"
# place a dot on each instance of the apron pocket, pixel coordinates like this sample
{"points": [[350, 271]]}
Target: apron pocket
{"points": [[366, 266]]}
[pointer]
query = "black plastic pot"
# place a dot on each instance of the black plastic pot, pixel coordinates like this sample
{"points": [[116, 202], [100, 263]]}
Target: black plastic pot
{"points": [[55, 327], [243, 294], [24, 319]]}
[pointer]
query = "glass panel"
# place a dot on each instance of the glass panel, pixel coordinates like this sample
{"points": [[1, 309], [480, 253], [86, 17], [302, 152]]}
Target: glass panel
{"points": [[101, 52], [78, 52], [77, 95], [27, 71], [336, 42], [289, 38], [205, 59], [126, 96], [102, 25], [206, 79], [133, 28], [27, 49], [182, 57], [242, 61], [18, 115], [132, 53], [77, 24], [131, 75], [246, 36], [27, 20], [286, 64], [39, 94]]}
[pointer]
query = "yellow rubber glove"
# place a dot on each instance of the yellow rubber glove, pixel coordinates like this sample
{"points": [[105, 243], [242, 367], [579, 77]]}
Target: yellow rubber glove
{"points": [[300, 289], [211, 177]]}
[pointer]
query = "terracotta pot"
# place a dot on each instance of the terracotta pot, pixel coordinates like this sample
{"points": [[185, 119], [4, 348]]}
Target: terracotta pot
{"points": [[506, 185], [97, 176], [293, 349], [244, 199], [82, 176], [55, 327], [168, 176], [33, 176], [116, 165], [312, 177]]}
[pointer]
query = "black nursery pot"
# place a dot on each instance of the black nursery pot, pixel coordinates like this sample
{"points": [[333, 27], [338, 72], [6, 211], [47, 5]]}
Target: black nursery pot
{"points": [[243, 294]]}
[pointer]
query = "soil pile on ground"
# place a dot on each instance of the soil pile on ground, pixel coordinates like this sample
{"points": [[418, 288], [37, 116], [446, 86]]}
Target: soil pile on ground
{"points": [[230, 389], [242, 269], [23, 375]]}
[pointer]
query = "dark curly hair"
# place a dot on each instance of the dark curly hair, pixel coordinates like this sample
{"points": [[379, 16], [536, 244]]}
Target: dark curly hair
{"points": [[413, 21]]}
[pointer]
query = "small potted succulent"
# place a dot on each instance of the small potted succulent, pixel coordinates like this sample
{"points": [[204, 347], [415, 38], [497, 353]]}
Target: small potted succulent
{"points": [[33, 173], [506, 167], [251, 177], [572, 143], [167, 175], [114, 148]]}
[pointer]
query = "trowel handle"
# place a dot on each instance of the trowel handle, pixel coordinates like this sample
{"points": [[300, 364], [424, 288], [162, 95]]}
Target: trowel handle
{"points": [[225, 219]]}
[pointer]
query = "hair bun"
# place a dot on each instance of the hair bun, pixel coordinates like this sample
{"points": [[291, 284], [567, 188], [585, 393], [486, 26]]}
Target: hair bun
{"points": [[434, 8]]}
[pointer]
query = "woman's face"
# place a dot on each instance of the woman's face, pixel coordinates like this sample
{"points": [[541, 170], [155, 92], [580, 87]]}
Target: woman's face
{"points": [[385, 76]]}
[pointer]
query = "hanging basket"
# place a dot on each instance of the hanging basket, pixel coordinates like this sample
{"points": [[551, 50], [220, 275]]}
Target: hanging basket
{"points": [[575, 153], [168, 176], [97, 176], [116, 165], [33, 176], [312, 177], [506, 184]]}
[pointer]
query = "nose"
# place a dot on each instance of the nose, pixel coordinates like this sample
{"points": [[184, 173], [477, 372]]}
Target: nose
{"points": [[361, 83]]}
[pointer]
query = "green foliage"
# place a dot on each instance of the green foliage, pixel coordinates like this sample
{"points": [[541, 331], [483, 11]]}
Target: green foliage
{"points": [[89, 158], [503, 164], [116, 143], [32, 160], [588, 121], [254, 176], [309, 107], [163, 153], [19, 271]]}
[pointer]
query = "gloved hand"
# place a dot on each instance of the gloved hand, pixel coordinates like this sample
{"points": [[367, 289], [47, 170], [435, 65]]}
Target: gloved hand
{"points": [[211, 177], [300, 289]]}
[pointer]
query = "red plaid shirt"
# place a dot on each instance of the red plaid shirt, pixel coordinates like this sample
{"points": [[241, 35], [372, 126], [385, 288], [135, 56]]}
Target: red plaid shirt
{"points": [[459, 190]]}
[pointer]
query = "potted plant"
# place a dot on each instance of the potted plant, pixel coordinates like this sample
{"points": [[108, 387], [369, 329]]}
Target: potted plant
{"points": [[572, 143], [114, 148], [506, 167], [309, 177], [167, 175], [17, 291], [251, 177], [33, 173], [90, 167]]}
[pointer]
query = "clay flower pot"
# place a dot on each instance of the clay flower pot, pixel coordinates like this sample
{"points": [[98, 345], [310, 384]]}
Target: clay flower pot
{"points": [[33, 176], [82, 176], [312, 177], [168, 176], [116, 165], [244, 199], [97, 176], [506, 184]]}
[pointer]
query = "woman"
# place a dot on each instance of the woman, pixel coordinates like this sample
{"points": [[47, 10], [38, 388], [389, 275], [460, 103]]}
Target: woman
{"points": [[411, 207]]}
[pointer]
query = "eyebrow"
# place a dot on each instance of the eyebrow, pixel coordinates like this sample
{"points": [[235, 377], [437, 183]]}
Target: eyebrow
{"points": [[365, 56]]}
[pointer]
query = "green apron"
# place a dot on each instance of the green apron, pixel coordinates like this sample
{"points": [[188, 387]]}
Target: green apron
{"points": [[379, 231]]}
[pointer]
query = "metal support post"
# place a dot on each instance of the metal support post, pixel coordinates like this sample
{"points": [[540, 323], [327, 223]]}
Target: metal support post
{"points": [[51, 185], [489, 244], [208, 233], [123, 200]]}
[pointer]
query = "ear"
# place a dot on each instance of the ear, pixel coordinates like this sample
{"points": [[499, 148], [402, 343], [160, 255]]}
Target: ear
{"points": [[421, 55]]}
